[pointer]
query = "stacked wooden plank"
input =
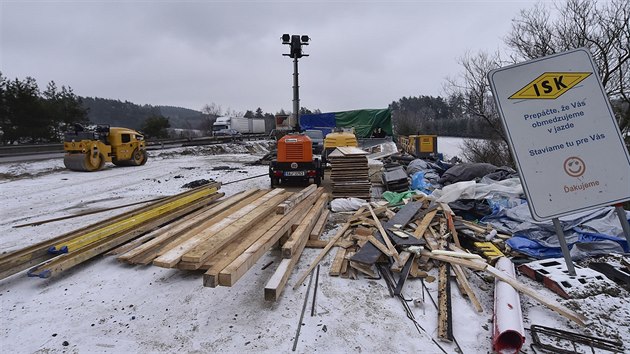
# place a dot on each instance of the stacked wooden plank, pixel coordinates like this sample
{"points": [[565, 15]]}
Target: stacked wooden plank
{"points": [[80, 245], [227, 239], [232, 268], [293, 247], [349, 173], [187, 232]]}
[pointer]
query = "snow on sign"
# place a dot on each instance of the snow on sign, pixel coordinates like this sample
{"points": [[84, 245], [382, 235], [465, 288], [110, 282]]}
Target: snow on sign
{"points": [[563, 134]]}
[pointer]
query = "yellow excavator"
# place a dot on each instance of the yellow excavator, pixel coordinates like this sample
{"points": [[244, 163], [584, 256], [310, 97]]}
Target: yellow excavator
{"points": [[90, 150]]}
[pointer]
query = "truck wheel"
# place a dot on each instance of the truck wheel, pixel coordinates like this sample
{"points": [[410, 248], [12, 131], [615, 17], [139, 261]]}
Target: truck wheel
{"points": [[102, 159], [146, 157], [138, 157], [94, 163]]}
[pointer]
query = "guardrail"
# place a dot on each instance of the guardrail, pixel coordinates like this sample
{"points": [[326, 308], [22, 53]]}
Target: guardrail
{"points": [[31, 149], [13, 150]]}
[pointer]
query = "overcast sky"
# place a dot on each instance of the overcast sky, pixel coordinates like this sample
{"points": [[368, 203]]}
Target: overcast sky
{"points": [[363, 54]]}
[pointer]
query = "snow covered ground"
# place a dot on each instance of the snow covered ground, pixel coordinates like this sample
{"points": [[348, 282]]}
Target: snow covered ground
{"points": [[106, 306]]}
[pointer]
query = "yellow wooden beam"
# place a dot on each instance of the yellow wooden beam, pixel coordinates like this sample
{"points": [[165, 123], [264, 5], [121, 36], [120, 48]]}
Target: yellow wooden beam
{"points": [[126, 224]]}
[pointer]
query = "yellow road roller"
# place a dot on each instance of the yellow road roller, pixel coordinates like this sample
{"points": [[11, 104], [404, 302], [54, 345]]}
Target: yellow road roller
{"points": [[89, 150]]}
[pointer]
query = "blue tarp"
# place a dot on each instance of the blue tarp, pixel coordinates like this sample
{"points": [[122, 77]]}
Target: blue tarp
{"points": [[597, 242], [323, 121], [587, 233]]}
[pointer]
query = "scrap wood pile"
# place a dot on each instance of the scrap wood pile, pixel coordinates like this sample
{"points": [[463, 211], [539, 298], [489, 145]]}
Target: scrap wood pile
{"points": [[188, 231], [405, 243], [349, 173]]}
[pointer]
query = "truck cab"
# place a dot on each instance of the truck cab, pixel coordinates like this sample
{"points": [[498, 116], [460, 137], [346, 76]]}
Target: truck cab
{"points": [[317, 137]]}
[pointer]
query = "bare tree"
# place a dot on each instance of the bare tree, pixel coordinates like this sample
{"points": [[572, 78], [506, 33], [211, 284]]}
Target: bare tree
{"points": [[602, 28], [233, 113], [474, 88], [542, 30], [210, 113], [212, 109]]}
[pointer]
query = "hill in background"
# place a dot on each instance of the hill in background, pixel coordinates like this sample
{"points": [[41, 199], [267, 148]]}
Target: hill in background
{"points": [[130, 115]]}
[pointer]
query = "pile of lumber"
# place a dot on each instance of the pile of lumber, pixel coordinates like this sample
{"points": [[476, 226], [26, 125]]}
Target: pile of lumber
{"points": [[228, 239], [190, 231], [349, 173], [53, 256], [403, 243]]}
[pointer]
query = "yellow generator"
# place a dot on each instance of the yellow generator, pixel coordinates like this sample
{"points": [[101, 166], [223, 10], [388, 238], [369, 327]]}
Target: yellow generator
{"points": [[420, 146], [338, 139], [89, 150]]}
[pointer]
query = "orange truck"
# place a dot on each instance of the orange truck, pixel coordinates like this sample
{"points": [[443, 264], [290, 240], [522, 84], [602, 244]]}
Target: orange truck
{"points": [[295, 161]]}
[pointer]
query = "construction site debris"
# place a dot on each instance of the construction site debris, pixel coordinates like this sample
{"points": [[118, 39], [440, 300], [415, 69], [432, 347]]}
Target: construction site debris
{"points": [[564, 342], [508, 332], [197, 183], [395, 179], [554, 275]]}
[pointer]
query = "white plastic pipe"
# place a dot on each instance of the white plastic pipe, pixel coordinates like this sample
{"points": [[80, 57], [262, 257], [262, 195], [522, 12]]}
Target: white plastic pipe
{"points": [[508, 319]]}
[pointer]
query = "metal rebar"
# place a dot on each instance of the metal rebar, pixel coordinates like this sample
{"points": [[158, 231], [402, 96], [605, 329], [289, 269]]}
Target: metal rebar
{"points": [[297, 332], [546, 337], [315, 292], [419, 328]]}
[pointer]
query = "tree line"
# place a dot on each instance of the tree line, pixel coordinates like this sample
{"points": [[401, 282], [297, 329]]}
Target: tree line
{"points": [[29, 115], [436, 116]]}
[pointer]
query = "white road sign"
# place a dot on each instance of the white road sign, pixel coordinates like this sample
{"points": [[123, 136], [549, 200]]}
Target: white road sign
{"points": [[563, 134]]}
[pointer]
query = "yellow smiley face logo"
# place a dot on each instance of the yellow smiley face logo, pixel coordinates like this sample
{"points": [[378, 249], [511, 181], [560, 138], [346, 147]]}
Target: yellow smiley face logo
{"points": [[574, 166]]}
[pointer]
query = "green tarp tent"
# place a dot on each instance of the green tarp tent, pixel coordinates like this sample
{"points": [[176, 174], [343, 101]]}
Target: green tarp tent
{"points": [[364, 121]]}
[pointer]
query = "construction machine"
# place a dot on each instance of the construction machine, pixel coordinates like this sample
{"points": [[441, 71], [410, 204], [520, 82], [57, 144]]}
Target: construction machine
{"points": [[337, 139], [90, 150], [295, 161], [419, 146]]}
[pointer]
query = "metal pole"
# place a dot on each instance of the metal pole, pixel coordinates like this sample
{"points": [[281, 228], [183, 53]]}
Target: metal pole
{"points": [[563, 246], [621, 213], [297, 332], [296, 92]]}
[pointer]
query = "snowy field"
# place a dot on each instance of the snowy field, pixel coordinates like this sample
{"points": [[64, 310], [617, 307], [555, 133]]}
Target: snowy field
{"points": [[105, 306]]}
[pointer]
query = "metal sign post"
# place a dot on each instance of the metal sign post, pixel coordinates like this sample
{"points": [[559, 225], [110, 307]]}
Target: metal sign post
{"points": [[563, 246], [621, 214], [563, 135]]}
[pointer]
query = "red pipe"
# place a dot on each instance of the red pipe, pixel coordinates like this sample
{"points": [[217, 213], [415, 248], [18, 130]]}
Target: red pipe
{"points": [[508, 319]]}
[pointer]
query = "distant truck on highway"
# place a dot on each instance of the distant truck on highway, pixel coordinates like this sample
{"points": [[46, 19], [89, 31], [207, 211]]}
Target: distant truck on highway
{"points": [[241, 124]]}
